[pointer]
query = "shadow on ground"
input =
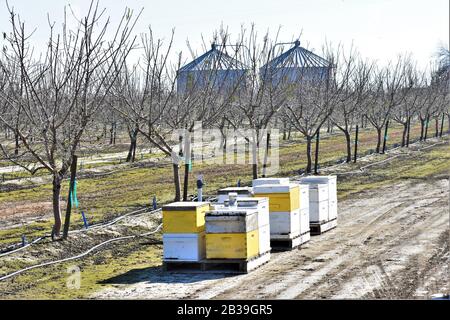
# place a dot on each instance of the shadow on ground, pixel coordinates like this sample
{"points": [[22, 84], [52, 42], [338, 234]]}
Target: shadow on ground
{"points": [[157, 275]]}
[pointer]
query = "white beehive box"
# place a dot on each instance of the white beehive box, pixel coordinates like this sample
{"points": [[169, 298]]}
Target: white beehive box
{"points": [[231, 220], [318, 193], [184, 246], [318, 211], [223, 194], [304, 196], [261, 204], [264, 239], [332, 207], [284, 223], [304, 220], [263, 181], [331, 181]]}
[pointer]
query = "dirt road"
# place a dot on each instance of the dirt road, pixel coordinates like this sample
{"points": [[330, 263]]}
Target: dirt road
{"points": [[390, 243]]}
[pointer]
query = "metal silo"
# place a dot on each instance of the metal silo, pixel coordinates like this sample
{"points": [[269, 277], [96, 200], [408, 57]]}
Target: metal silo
{"points": [[214, 69], [296, 65]]}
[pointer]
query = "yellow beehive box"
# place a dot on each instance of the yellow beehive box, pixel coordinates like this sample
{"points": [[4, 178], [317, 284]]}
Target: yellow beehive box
{"points": [[184, 217], [282, 198], [232, 245]]}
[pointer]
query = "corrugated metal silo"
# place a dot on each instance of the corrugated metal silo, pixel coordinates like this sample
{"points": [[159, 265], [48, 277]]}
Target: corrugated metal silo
{"points": [[215, 68], [296, 65]]}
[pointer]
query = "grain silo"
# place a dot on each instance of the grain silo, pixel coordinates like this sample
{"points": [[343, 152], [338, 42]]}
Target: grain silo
{"points": [[214, 69], [297, 65]]}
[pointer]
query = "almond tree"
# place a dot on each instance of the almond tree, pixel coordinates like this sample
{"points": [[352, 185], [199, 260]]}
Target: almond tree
{"points": [[62, 91]]}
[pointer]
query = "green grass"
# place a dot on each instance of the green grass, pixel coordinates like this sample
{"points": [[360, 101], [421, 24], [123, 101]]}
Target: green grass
{"points": [[96, 272]]}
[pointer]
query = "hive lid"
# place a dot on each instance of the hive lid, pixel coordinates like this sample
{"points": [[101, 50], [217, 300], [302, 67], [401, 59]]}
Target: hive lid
{"points": [[227, 211], [317, 178], [249, 201], [238, 190], [274, 188], [264, 181], [184, 205]]}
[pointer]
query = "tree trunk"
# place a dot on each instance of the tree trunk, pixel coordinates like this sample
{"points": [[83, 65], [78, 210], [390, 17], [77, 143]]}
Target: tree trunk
{"points": [[442, 125], [284, 131], [308, 154], [56, 205], [114, 134], [17, 146], [379, 140], [405, 129], [176, 180], [73, 174], [266, 155], [290, 128], [422, 128], [436, 125], [349, 147], [355, 156], [131, 157], [316, 156], [385, 135], [426, 128], [409, 129]]}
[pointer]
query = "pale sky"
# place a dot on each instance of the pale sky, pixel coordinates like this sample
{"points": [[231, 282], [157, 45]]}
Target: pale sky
{"points": [[380, 29]]}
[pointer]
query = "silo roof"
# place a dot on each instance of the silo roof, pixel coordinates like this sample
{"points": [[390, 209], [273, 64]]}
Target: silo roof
{"points": [[213, 59], [298, 57]]}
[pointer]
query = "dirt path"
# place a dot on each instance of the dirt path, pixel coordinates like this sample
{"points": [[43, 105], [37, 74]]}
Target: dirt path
{"points": [[390, 243]]}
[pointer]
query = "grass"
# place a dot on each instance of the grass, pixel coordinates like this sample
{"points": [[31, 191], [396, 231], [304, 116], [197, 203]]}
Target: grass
{"points": [[97, 272]]}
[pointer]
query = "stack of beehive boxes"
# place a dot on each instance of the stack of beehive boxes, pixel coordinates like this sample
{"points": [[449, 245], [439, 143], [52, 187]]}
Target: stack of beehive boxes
{"points": [[223, 194], [184, 231], [323, 197], [284, 206], [239, 230], [304, 211]]}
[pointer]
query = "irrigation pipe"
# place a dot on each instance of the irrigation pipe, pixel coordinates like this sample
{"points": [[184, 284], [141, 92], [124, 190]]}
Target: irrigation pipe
{"points": [[96, 226], [80, 255], [388, 159]]}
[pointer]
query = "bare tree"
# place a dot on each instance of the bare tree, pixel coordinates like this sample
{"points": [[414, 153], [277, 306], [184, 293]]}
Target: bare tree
{"points": [[61, 91], [348, 109]]}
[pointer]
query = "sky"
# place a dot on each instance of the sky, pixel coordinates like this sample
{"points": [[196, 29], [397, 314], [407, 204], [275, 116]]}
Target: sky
{"points": [[379, 29]]}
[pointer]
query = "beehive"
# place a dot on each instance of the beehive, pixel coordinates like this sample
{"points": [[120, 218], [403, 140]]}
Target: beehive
{"points": [[304, 208], [232, 233], [262, 206], [331, 183], [285, 222], [184, 246], [282, 198], [184, 217], [232, 245], [304, 220], [284, 207], [183, 231], [259, 203], [223, 194]]}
